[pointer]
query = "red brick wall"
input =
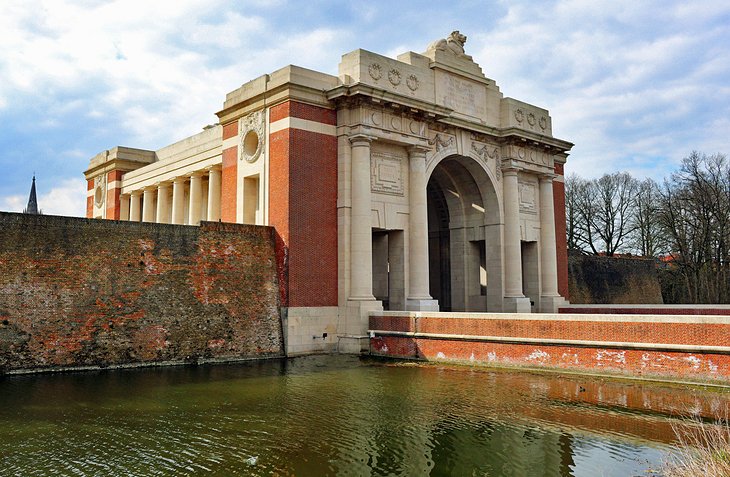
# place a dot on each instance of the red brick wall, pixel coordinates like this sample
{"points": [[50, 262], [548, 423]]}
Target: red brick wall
{"points": [[113, 196], [561, 240], [229, 184], [230, 130], [303, 203], [522, 345], [303, 111], [78, 292], [90, 200]]}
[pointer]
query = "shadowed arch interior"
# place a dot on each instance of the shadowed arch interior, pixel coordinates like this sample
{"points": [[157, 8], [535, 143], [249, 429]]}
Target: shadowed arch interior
{"points": [[464, 237]]}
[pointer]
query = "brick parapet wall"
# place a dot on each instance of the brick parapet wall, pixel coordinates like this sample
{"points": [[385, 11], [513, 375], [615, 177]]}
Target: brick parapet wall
{"points": [[81, 292], [684, 347]]}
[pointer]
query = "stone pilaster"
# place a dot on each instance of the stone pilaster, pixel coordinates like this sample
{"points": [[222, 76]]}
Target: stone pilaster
{"points": [[419, 298], [550, 299], [196, 193], [148, 205], [214, 194], [135, 212], [124, 207], [361, 245], [163, 203], [352, 335], [514, 299], [178, 201]]}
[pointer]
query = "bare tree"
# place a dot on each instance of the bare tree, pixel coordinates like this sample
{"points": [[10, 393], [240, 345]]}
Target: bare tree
{"points": [[695, 214], [648, 238], [615, 195]]}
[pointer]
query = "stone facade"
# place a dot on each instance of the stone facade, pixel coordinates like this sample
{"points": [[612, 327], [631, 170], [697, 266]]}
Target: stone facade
{"points": [[83, 293], [401, 184]]}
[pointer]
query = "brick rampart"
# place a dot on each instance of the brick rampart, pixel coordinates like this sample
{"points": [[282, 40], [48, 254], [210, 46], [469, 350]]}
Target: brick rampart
{"points": [[613, 280], [80, 292], [690, 348]]}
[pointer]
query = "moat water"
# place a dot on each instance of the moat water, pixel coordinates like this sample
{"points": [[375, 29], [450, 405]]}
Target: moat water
{"points": [[338, 416]]}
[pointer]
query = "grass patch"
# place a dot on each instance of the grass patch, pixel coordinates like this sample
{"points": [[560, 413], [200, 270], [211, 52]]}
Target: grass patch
{"points": [[703, 449]]}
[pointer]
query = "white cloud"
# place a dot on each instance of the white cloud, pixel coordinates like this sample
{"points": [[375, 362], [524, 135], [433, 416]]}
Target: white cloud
{"points": [[67, 198], [633, 84], [12, 203]]}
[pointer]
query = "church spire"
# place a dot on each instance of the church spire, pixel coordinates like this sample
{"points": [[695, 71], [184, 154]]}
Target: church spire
{"points": [[32, 207]]}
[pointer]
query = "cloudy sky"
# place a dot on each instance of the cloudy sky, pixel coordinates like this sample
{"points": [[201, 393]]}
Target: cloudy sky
{"points": [[636, 85]]}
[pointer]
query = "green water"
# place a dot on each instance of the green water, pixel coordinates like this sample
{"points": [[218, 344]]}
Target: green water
{"points": [[335, 416]]}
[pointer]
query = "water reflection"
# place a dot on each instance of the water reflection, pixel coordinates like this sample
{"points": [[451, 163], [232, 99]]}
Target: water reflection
{"points": [[337, 416]]}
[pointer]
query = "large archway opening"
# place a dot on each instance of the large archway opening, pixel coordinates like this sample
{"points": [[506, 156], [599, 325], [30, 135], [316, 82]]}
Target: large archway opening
{"points": [[464, 237]]}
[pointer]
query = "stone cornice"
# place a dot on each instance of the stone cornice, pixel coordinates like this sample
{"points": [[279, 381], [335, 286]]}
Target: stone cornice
{"points": [[381, 96]]}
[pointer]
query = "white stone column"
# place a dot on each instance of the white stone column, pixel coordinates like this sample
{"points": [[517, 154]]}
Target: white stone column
{"points": [[515, 300], [163, 203], [214, 194], [550, 299], [361, 237], [178, 200], [124, 207], [134, 207], [196, 191], [148, 205], [419, 298]]}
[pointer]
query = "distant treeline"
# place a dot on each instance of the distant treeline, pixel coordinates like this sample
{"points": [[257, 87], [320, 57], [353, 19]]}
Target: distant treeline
{"points": [[682, 221]]}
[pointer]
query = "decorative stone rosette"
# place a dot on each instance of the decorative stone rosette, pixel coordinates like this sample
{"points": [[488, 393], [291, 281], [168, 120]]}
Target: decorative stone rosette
{"points": [[253, 137], [99, 190]]}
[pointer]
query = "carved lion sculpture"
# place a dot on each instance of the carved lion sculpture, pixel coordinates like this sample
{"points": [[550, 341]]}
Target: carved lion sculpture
{"points": [[453, 43]]}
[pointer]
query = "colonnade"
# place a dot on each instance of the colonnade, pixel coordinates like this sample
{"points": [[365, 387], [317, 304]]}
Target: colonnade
{"points": [[418, 297], [157, 204]]}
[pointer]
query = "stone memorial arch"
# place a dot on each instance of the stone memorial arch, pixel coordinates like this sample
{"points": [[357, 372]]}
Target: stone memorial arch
{"points": [[401, 184], [450, 187]]}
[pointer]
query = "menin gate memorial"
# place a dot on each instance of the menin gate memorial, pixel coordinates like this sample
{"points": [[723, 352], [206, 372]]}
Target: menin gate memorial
{"points": [[403, 184]]}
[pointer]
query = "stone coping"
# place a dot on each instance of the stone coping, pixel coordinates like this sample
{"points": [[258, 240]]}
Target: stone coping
{"points": [[703, 319], [687, 306], [687, 348]]}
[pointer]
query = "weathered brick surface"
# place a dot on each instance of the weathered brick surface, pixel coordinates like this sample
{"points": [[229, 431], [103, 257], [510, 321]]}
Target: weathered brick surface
{"points": [[643, 362], [78, 292]]}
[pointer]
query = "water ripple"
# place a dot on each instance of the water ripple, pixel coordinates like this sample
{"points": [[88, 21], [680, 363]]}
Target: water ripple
{"points": [[334, 416]]}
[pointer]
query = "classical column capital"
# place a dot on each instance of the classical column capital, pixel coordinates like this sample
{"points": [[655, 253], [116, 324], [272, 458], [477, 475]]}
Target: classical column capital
{"points": [[135, 193], [417, 150], [510, 167], [195, 174], [214, 167], [547, 177], [361, 139], [179, 180]]}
